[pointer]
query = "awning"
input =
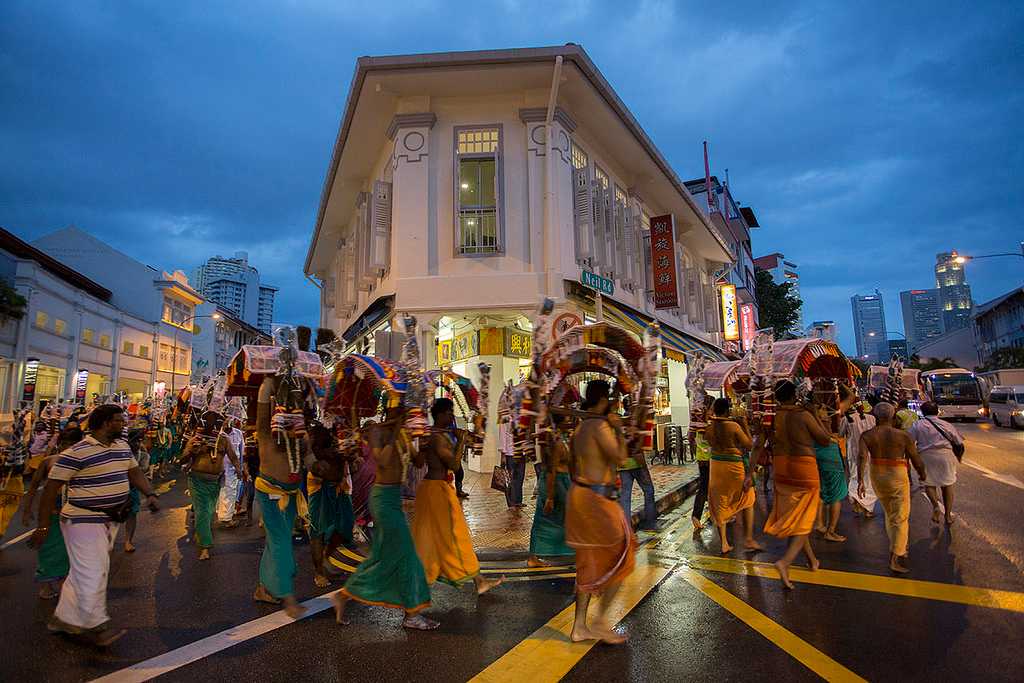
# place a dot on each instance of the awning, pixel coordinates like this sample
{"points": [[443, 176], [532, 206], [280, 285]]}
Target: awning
{"points": [[375, 312], [674, 343], [718, 375]]}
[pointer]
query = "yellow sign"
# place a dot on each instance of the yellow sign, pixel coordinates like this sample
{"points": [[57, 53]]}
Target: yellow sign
{"points": [[518, 344], [444, 352], [491, 341], [730, 314], [466, 346]]}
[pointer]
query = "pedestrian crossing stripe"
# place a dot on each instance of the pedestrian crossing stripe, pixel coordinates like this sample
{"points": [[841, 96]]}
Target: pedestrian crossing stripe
{"points": [[910, 588]]}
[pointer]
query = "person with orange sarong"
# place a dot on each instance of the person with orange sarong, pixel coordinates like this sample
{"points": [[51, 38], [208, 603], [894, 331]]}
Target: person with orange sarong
{"points": [[439, 527], [730, 488], [797, 488], [596, 527], [889, 449]]}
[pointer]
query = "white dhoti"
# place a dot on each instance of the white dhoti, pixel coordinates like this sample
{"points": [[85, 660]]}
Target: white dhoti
{"points": [[228, 494], [83, 598], [869, 499]]}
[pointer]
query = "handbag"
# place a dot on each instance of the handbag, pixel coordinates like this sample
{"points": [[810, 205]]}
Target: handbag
{"points": [[117, 514], [958, 448], [500, 479]]}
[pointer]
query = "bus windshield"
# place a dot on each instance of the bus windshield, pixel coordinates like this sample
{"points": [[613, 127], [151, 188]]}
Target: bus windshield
{"points": [[955, 389]]}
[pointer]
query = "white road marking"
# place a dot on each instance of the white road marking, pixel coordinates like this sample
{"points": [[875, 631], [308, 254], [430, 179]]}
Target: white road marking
{"points": [[16, 539], [1003, 478], [193, 652], [979, 443]]}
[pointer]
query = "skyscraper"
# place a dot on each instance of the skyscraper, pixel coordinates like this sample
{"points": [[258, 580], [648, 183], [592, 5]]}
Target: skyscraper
{"points": [[235, 285], [954, 292], [869, 327], [922, 316]]}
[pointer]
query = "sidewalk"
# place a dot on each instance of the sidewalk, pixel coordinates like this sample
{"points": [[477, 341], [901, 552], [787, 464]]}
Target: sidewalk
{"points": [[496, 530]]}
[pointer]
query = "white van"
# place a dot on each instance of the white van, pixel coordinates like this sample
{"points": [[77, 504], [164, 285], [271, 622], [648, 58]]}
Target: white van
{"points": [[1006, 404]]}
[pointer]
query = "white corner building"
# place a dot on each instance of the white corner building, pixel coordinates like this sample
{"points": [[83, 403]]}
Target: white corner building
{"points": [[466, 187]]}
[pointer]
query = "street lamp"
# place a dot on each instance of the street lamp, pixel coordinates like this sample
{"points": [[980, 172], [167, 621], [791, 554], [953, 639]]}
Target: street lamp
{"points": [[963, 258], [174, 357]]}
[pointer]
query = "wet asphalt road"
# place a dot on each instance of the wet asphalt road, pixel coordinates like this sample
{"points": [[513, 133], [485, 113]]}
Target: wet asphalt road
{"points": [[170, 600]]}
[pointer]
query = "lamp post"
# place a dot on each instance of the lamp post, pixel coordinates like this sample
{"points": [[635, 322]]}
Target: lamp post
{"points": [[964, 258], [174, 357]]}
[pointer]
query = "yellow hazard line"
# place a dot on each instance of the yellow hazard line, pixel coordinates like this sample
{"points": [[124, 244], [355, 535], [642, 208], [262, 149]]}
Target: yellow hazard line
{"points": [[910, 588], [796, 647], [548, 654]]}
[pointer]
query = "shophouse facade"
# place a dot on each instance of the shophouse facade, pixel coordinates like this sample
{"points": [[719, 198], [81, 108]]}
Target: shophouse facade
{"points": [[466, 187], [219, 335]]}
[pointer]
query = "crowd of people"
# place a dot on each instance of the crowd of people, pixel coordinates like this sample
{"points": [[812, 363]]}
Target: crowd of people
{"points": [[820, 456], [89, 478]]}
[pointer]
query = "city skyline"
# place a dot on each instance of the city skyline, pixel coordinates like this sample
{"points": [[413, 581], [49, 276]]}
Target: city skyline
{"points": [[116, 165]]}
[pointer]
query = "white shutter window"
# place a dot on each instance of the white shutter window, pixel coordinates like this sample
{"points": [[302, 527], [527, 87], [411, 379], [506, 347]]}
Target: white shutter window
{"points": [[367, 275], [348, 293], [380, 228], [645, 244], [329, 291], [583, 215], [342, 302], [604, 222], [600, 227]]}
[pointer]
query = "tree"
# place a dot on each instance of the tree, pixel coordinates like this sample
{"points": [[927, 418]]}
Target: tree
{"points": [[1004, 359], [926, 364], [12, 304], [777, 306]]}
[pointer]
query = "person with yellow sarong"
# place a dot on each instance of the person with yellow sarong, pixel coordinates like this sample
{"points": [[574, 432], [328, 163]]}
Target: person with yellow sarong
{"points": [[439, 527], [731, 484], [595, 524], [889, 449], [796, 432]]}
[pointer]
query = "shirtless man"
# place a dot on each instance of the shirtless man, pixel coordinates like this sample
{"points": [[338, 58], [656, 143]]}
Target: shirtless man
{"points": [[439, 527], [889, 449], [595, 524], [731, 489], [795, 506], [205, 453], [277, 492], [392, 575], [330, 503]]}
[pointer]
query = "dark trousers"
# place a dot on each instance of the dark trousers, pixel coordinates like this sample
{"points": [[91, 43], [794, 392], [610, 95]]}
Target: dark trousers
{"points": [[517, 471], [701, 498], [460, 474]]}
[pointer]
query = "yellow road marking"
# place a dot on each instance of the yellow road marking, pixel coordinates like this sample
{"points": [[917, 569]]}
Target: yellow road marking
{"points": [[548, 654], [341, 565], [910, 588], [796, 647]]}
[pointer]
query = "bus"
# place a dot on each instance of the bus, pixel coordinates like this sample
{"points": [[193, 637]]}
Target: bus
{"points": [[957, 392]]}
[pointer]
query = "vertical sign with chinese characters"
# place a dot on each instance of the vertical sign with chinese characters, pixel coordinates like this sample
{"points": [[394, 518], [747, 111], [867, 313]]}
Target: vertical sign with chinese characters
{"points": [[748, 328], [730, 315], [518, 344], [663, 262]]}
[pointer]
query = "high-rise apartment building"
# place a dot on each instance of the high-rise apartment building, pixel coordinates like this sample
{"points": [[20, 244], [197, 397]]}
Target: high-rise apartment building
{"points": [[954, 292], [922, 316], [784, 271], [869, 327], [235, 285]]}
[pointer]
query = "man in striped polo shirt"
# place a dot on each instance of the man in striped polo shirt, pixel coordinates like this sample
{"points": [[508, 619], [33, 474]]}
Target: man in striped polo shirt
{"points": [[97, 471]]}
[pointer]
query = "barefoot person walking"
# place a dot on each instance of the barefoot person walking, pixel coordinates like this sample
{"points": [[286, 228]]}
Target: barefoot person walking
{"points": [[889, 448], [939, 443], [595, 525], [796, 433], [730, 487]]}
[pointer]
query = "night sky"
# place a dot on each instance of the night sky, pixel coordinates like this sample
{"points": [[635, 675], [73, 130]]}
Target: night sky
{"points": [[865, 139]]}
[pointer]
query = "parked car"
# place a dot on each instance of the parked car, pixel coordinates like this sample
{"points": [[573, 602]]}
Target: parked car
{"points": [[1006, 404]]}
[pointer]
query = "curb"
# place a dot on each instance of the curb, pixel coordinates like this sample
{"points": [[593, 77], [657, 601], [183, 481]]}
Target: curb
{"points": [[669, 500]]}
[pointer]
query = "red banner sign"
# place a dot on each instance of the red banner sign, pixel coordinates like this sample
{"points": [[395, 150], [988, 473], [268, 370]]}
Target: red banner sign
{"points": [[663, 262], [748, 328]]}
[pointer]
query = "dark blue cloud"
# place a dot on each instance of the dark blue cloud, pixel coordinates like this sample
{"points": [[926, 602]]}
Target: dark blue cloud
{"points": [[867, 138]]}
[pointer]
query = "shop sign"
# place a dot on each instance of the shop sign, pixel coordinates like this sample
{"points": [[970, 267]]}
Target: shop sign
{"points": [[663, 262], [465, 346], [748, 328], [28, 392], [564, 323], [81, 382], [518, 344], [596, 282], [444, 352], [492, 341], [730, 316]]}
